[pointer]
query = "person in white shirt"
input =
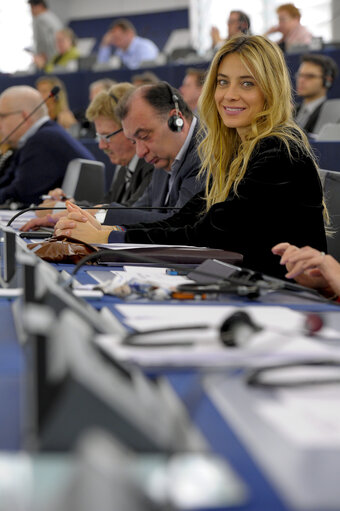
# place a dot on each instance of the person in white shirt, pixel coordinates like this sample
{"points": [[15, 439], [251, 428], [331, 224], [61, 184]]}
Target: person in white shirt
{"points": [[45, 26]]}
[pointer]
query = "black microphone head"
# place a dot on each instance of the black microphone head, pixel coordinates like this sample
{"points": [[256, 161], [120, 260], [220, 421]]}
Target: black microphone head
{"points": [[54, 91]]}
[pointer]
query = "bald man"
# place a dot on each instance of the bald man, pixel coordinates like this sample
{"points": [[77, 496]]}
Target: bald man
{"points": [[43, 148]]}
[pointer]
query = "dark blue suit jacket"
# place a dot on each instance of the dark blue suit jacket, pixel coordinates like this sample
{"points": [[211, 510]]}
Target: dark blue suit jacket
{"points": [[40, 164], [184, 187]]}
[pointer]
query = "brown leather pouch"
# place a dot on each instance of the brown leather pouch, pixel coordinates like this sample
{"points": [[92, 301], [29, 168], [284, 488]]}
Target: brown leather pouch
{"points": [[61, 249]]}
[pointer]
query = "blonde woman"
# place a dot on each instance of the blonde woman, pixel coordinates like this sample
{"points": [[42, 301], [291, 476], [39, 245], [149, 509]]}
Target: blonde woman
{"points": [[262, 183], [58, 107]]}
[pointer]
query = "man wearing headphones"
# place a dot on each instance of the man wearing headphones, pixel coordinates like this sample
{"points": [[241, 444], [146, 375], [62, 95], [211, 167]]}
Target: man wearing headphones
{"points": [[315, 76], [164, 130]]}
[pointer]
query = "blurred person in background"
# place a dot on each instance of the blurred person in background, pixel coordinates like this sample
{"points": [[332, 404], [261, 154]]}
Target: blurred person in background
{"points": [[97, 86], [45, 26], [144, 78], [314, 78], [293, 33], [67, 54], [238, 23], [191, 87], [131, 49], [58, 107]]}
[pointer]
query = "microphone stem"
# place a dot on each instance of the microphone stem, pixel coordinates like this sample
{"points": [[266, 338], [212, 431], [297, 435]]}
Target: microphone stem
{"points": [[47, 208]]}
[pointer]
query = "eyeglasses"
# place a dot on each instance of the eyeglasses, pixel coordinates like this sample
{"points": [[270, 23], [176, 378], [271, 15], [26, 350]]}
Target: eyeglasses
{"points": [[106, 138], [3, 116], [307, 76]]}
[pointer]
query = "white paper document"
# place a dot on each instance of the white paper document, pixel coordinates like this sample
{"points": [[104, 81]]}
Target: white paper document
{"points": [[199, 344], [6, 215]]}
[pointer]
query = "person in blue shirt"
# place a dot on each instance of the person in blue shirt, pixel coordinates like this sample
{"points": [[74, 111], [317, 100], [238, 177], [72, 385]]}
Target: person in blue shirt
{"points": [[130, 48]]}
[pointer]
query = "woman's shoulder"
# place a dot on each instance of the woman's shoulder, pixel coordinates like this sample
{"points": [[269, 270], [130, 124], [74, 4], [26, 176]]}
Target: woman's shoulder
{"points": [[288, 142]]}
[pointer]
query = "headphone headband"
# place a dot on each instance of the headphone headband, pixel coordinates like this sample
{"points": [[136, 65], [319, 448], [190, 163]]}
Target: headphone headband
{"points": [[113, 97]]}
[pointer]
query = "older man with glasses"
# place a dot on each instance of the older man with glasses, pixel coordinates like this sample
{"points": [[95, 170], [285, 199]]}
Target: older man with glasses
{"points": [[43, 149]]}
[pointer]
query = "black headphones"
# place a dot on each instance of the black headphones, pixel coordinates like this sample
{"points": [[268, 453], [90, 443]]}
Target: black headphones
{"points": [[327, 81], [175, 121], [329, 71]]}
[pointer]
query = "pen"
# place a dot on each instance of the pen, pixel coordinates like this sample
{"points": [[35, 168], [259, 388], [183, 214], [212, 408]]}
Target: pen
{"points": [[49, 197], [172, 271]]}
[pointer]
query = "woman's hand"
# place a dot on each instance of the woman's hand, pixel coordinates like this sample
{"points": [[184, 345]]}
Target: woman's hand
{"points": [[81, 225], [310, 267]]}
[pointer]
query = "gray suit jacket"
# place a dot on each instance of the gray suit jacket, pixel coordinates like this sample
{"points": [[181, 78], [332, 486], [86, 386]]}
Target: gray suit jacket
{"points": [[184, 187]]}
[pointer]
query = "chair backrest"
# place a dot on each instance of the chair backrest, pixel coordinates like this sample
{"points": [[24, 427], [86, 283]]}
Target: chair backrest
{"points": [[85, 180], [331, 185], [329, 131], [330, 113], [179, 38]]}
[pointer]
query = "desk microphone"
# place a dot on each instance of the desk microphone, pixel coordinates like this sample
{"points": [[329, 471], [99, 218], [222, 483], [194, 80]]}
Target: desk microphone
{"points": [[125, 208], [52, 94]]}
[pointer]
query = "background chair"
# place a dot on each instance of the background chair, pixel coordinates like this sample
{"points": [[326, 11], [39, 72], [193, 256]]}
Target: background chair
{"points": [[329, 131], [330, 113], [85, 180], [331, 185], [179, 46]]}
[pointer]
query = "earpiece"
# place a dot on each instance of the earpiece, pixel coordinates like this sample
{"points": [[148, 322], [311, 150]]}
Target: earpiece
{"points": [[244, 20], [328, 83], [237, 329], [175, 122], [328, 74]]}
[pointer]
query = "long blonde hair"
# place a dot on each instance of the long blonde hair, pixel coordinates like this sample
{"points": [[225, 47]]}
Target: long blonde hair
{"points": [[224, 156]]}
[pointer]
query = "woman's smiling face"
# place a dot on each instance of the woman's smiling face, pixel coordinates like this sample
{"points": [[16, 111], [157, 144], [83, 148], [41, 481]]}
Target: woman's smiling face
{"points": [[238, 97]]}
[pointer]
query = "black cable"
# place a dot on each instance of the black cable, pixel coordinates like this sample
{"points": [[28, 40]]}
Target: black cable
{"points": [[103, 206], [253, 377]]}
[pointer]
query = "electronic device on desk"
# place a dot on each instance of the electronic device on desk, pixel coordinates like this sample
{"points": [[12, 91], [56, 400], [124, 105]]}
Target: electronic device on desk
{"points": [[226, 277], [85, 180], [43, 284], [74, 385], [287, 423], [37, 235], [9, 265]]}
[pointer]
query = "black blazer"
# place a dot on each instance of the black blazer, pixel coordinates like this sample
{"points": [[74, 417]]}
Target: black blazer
{"points": [[279, 199]]}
